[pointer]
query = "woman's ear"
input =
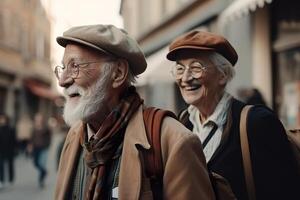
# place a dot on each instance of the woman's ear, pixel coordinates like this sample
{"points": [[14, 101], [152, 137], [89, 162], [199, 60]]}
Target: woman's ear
{"points": [[120, 73], [222, 79]]}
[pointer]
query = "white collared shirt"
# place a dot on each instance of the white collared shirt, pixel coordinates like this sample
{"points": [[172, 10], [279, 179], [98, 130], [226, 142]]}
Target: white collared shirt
{"points": [[202, 130]]}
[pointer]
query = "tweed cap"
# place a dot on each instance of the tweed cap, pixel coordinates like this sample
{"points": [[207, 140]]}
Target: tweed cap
{"points": [[109, 40], [201, 40]]}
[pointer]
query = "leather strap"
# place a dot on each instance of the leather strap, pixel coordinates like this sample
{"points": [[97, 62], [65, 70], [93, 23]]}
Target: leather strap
{"points": [[210, 135], [154, 160], [246, 153], [153, 118]]}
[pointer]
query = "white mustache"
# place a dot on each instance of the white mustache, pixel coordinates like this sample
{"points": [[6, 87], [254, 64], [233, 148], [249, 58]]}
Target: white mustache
{"points": [[74, 89]]}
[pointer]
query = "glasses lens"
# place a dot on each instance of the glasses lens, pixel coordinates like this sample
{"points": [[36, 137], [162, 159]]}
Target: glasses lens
{"points": [[177, 71], [197, 69]]}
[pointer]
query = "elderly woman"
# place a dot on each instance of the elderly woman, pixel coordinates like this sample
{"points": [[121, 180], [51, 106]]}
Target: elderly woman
{"points": [[203, 67]]}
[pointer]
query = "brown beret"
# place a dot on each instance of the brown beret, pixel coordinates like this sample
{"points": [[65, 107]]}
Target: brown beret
{"points": [[201, 40], [109, 40]]}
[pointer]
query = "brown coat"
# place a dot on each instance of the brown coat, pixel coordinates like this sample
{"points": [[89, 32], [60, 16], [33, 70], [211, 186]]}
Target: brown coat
{"points": [[185, 174]]}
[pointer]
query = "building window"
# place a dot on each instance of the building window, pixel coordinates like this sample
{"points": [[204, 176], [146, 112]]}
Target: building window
{"points": [[286, 70], [1, 26], [24, 43], [6, 25], [14, 34], [289, 82]]}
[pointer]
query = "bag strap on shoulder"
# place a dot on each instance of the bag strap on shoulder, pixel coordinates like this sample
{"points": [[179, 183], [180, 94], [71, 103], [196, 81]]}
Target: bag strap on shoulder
{"points": [[183, 117], [246, 153], [153, 118]]}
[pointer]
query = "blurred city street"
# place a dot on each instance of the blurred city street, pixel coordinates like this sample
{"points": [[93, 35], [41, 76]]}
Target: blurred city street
{"points": [[26, 184], [38, 78]]}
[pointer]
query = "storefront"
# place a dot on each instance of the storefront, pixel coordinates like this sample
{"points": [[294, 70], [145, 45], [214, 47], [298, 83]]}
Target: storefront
{"points": [[286, 59]]}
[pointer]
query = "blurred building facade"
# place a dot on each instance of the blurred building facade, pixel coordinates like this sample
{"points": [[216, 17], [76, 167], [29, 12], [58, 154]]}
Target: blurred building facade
{"points": [[265, 33], [25, 66]]}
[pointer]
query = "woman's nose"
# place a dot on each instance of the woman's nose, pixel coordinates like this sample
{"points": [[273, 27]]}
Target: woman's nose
{"points": [[187, 75]]}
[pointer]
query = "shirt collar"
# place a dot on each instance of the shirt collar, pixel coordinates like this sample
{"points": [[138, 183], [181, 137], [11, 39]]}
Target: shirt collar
{"points": [[218, 116], [220, 113]]}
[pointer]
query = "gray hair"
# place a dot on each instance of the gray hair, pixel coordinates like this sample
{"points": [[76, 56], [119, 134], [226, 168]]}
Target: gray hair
{"points": [[130, 79], [223, 65], [107, 69]]}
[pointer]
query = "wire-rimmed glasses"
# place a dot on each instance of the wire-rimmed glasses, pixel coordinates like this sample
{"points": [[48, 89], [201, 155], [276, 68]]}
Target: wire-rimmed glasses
{"points": [[195, 69], [72, 68]]}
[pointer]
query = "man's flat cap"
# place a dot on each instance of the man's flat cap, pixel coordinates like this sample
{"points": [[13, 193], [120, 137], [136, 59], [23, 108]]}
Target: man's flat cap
{"points": [[201, 40], [109, 40]]}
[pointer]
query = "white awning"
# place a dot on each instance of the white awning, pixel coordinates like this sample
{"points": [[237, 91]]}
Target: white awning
{"points": [[238, 8], [158, 69]]}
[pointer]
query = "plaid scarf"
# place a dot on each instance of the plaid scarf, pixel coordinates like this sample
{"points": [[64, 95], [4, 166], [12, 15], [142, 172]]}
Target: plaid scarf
{"points": [[101, 149]]}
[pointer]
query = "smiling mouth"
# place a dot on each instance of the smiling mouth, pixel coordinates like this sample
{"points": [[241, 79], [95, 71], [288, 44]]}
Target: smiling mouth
{"points": [[192, 87], [74, 95]]}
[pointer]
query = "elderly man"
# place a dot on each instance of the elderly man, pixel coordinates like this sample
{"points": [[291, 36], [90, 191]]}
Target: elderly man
{"points": [[204, 66], [102, 156]]}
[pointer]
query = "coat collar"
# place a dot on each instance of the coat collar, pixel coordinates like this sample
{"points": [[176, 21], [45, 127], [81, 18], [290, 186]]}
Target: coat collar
{"points": [[129, 183], [68, 160]]}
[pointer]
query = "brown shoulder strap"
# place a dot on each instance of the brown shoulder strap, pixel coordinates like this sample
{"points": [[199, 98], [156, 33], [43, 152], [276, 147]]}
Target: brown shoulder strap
{"points": [[246, 153], [153, 118], [183, 115], [153, 156]]}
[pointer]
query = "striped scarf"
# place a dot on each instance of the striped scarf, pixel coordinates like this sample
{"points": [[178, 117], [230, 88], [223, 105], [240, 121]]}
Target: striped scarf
{"points": [[106, 141]]}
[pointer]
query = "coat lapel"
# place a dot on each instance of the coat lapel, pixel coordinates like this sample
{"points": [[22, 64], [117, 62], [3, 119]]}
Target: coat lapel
{"points": [[131, 170], [70, 154]]}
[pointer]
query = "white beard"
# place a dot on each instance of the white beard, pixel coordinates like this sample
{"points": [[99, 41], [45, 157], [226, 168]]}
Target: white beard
{"points": [[91, 100]]}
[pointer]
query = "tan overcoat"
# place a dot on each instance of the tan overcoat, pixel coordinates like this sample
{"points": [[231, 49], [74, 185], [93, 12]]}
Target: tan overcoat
{"points": [[185, 174]]}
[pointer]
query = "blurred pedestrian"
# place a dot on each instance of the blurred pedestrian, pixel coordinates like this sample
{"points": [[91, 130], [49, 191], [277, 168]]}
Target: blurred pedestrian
{"points": [[251, 96], [203, 66], [255, 97], [102, 157], [39, 145], [24, 131], [7, 151]]}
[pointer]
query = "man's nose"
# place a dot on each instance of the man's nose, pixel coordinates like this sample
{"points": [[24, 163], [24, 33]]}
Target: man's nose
{"points": [[65, 80]]}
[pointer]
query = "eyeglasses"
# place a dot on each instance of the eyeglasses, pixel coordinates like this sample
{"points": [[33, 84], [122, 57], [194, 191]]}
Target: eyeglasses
{"points": [[195, 69], [73, 68]]}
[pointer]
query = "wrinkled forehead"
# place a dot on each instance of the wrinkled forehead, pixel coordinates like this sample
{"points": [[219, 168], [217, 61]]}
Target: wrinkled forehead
{"points": [[82, 52], [192, 54]]}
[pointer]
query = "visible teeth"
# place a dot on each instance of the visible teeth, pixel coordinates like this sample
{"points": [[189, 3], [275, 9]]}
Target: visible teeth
{"points": [[192, 87]]}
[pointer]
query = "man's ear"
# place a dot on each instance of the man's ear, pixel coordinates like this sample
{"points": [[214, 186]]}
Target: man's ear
{"points": [[120, 72]]}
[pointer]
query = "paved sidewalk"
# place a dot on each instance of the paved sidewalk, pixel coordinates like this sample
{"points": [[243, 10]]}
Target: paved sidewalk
{"points": [[26, 184]]}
